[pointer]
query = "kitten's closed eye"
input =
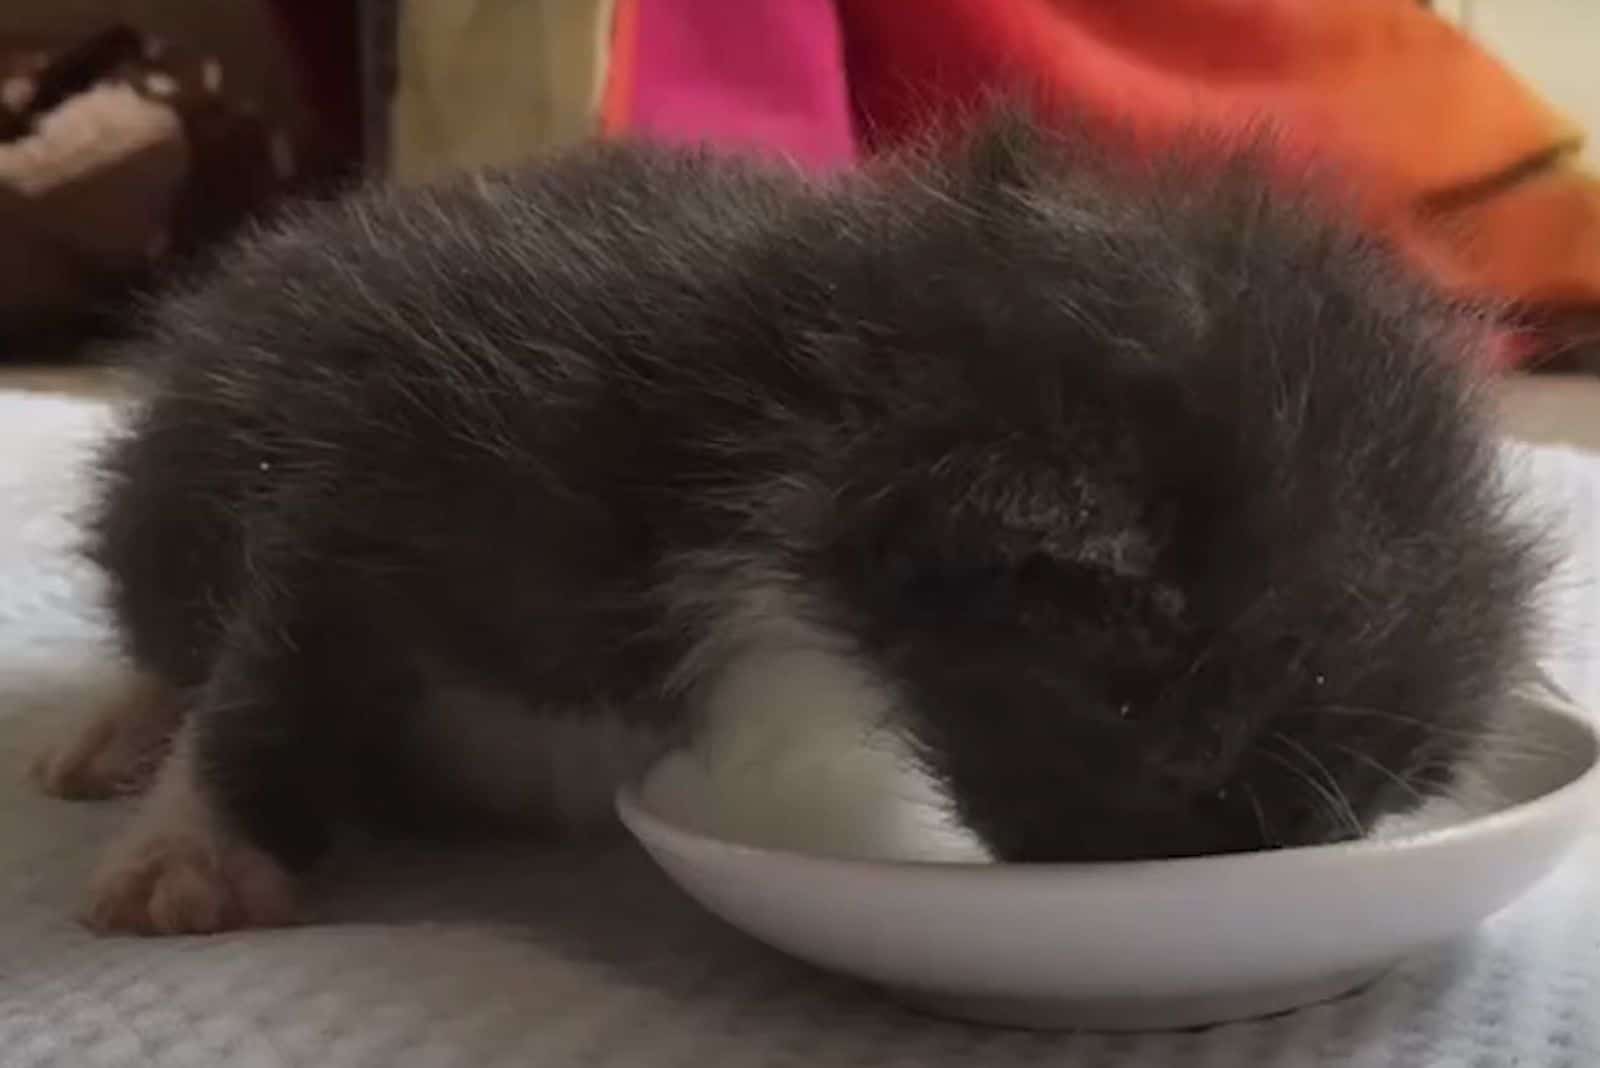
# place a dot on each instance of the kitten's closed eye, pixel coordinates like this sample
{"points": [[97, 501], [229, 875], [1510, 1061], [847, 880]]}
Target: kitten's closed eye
{"points": [[1089, 591], [1037, 589], [969, 591]]}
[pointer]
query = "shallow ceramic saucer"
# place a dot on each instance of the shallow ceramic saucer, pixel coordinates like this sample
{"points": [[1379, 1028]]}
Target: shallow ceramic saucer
{"points": [[1148, 944]]}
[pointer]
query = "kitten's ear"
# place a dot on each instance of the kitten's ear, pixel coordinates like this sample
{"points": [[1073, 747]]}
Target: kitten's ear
{"points": [[1007, 148]]}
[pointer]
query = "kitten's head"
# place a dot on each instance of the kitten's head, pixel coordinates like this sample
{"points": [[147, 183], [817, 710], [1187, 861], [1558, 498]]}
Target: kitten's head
{"points": [[1163, 518]]}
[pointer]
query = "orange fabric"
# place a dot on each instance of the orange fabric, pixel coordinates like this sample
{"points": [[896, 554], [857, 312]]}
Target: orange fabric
{"points": [[1383, 87], [618, 95], [1539, 238]]}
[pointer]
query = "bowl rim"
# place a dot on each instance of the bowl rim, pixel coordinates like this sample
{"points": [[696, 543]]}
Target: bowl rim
{"points": [[645, 824]]}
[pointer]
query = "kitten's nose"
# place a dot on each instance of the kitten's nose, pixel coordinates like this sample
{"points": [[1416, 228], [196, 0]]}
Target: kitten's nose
{"points": [[1187, 780], [1190, 769]]}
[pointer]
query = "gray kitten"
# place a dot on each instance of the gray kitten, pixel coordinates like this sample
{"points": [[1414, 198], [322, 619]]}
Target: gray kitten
{"points": [[1139, 504]]}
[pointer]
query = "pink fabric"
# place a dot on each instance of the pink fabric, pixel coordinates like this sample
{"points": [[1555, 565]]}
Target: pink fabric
{"points": [[744, 74]]}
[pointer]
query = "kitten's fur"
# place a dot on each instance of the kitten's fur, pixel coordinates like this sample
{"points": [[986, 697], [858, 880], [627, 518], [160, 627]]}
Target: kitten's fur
{"points": [[1149, 504]]}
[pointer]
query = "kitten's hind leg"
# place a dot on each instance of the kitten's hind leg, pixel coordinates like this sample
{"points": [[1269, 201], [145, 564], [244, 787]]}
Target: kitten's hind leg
{"points": [[183, 867], [117, 749], [243, 801]]}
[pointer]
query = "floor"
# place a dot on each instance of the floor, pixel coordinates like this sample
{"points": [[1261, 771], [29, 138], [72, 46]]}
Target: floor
{"points": [[1549, 409], [76, 381], [1553, 409]]}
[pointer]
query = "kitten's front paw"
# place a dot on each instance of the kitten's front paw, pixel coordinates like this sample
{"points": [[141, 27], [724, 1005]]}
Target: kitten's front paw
{"points": [[170, 884], [97, 763], [116, 752]]}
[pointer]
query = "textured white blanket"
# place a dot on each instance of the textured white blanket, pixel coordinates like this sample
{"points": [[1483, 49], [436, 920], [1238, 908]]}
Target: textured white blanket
{"points": [[562, 958]]}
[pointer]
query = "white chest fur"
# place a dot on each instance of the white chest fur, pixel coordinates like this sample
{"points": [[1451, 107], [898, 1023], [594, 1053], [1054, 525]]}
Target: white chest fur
{"points": [[497, 755], [796, 748]]}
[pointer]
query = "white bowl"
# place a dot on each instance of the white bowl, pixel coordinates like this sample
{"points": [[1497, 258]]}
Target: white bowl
{"points": [[1148, 944]]}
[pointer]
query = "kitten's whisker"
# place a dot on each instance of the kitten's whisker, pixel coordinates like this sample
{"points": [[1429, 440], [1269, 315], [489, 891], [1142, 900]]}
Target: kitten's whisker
{"points": [[1504, 739], [1388, 773], [1400, 717], [1317, 788], [1261, 817], [1321, 769]]}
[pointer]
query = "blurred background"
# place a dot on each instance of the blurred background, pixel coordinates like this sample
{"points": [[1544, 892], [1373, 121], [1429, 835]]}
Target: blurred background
{"points": [[137, 135]]}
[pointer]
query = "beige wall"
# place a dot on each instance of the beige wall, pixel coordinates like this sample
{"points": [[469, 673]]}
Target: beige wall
{"points": [[1554, 44]]}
